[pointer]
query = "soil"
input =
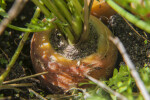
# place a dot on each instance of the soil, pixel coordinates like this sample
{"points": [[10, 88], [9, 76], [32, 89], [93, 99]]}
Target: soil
{"points": [[138, 50]]}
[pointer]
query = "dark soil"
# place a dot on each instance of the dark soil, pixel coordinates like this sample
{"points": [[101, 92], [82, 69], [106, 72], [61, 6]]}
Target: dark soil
{"points": [[138, 50]]}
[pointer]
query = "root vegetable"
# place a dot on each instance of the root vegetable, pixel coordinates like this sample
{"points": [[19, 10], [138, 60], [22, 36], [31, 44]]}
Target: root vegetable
{"points": [[64, 73]]}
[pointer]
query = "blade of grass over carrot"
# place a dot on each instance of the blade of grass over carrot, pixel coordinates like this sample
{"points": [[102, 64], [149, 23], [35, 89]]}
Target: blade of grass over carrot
{"points": [[139, 23]]}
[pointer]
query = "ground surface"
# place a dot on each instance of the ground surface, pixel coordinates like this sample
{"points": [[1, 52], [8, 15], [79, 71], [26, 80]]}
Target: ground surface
{"points": [[135, 45]]}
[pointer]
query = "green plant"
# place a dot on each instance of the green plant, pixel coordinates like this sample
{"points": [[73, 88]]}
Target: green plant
{"points": [[121, 81], [3, 4], [3, 61], [139, 11]]}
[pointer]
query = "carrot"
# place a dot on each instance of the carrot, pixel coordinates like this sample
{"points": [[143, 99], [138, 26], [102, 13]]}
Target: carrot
{"points": [[101, 10], [64, 73]]}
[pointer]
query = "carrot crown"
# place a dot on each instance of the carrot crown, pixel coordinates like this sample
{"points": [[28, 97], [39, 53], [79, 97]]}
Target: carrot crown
{"points": [[71, 16]]}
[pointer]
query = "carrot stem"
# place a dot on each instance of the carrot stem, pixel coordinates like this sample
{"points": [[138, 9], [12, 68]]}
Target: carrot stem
{"points": [[51, 6], [78, 8], [75, 22], [43, 9], [86, 22]]}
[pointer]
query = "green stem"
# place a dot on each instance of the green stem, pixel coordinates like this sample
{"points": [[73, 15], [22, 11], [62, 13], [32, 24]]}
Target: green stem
{"points": [[67, 32], [75, 22], [78, 8], [43, 9], [36, 13], [78, 26], [27, 29], [50, 5], [86, 22], [139, 23], [63, 9], [14, 58]]}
